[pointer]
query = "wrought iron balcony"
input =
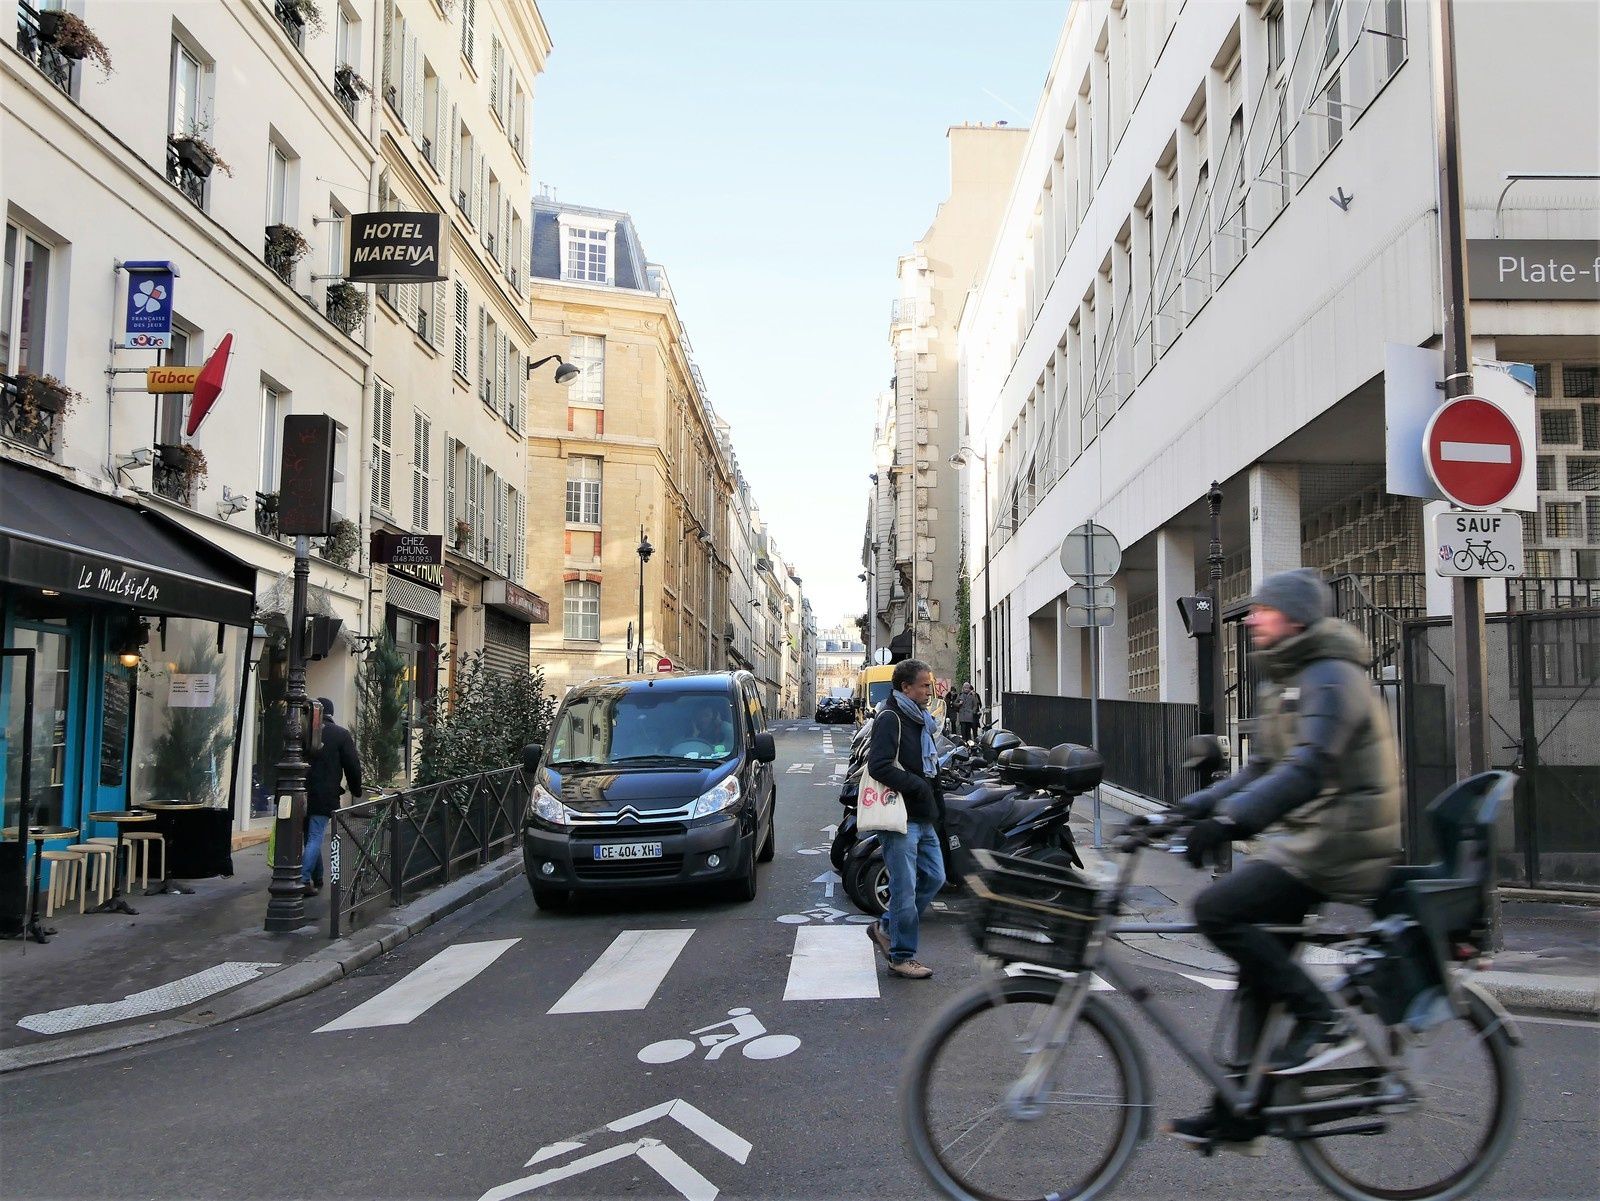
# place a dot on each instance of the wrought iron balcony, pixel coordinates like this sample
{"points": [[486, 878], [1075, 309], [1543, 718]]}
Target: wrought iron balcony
{"points": [[188, 181], [170, 475], [279, 258], [25, 425], [293, 23], [345, 93], [267, 514], [52, 64]]}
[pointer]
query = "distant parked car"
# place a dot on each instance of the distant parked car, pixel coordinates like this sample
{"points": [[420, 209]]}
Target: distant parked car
{"points": [[835, 710]]}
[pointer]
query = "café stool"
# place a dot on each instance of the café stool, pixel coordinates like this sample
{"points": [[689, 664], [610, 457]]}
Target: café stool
{"points": [[143, 839], [66, 880], [104, 840], [100, 857]]}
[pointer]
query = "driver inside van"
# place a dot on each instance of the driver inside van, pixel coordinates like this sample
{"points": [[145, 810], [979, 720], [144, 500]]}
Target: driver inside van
{"points": [[709, 724]]}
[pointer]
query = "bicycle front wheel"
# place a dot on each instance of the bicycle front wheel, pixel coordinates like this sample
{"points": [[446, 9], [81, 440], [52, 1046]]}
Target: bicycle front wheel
{"points": [[976, 1142], [1445, 1140]]}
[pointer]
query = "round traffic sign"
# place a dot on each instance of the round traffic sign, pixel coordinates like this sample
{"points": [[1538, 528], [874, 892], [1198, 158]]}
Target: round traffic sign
{"points": [[1473, 452], [1091, 553], [664, 664], [882, 656]]}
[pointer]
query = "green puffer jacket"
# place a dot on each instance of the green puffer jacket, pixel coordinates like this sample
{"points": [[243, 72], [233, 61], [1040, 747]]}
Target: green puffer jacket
{"points": [[1322, 784]]}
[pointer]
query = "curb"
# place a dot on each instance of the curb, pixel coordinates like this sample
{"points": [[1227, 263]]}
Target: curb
{"points": [[331, 963]]}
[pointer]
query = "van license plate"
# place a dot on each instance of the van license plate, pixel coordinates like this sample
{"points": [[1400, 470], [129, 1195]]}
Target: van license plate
{"points": [[628, 850]]}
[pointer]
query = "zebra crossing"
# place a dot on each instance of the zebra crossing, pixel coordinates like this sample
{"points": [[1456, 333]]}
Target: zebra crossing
{"points": [[827, 963]]}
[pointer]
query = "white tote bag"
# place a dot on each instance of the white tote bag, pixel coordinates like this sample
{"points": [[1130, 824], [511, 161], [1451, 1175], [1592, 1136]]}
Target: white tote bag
{"points": [[879, 807]]}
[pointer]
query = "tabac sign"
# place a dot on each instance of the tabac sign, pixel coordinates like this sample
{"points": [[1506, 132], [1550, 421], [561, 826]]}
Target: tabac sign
{"points": [[395, 248]]}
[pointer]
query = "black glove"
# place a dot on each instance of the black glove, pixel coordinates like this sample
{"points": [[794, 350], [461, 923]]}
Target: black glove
{"points": [[1160, 818], [1206, 836], [1190, 807]]}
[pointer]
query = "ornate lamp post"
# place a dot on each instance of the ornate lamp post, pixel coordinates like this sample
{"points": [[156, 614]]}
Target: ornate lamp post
{"points": [[644, 550]]}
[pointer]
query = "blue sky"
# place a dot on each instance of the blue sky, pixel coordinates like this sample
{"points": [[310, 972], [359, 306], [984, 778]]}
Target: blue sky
{"points": [[777, 156]]}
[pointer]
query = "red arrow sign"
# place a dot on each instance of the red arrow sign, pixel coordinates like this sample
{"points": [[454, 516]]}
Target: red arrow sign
{"points": [[1473, 451], [209, 386]]}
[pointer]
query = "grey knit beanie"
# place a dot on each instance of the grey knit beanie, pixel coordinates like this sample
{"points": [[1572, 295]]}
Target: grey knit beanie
{"points": [[1300, 595]]}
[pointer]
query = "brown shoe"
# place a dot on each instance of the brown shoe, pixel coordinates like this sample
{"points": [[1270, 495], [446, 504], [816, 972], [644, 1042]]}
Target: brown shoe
{"points": [[910, 969], [879, 938]]}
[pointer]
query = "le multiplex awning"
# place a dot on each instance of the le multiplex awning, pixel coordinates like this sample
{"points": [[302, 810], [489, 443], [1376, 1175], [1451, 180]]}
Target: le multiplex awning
{"points": [[56, 535]]}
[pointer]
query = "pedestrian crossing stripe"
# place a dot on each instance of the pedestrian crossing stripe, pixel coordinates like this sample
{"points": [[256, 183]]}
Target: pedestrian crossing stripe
{"points": [[832, 963], [627, 973], [420, 990], [1220, 983], [799, 769]]}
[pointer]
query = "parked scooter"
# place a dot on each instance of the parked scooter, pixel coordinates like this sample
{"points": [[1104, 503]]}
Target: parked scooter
{"points": [[1024, 812]]}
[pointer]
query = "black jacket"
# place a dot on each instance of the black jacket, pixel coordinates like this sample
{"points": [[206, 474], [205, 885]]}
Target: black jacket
{"points": [[894, 735], [337, 756]]}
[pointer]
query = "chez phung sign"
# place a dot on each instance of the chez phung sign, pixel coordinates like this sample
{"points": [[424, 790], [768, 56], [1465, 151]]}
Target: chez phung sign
{"points": [[395, 248]]}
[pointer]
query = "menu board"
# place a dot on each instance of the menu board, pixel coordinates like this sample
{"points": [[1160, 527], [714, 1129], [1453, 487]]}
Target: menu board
{"points": [[117, 710]]}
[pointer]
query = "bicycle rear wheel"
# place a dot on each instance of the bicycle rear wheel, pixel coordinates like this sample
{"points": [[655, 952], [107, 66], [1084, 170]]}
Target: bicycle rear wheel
{"points": [[1442, 1143], [974, 1145]]}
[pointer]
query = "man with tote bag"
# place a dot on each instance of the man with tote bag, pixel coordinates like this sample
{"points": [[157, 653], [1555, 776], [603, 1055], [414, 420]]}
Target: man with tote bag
{"points": [[898, 800]]}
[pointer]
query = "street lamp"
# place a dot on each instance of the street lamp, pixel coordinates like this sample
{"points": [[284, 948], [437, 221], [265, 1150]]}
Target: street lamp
{"points": [[963, 458], [565, 373], [644, 551]]}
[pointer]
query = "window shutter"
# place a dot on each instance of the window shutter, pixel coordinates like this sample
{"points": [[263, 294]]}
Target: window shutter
{"points": [[519, 548], [419, 448], [469, 31], [408, 75], [418, 105], [408, 304], [504, 240], [475, 211], [455, 153], [451, 512], [388, 43], [502, 394], [519, 391], [494, 73], [382, 442], [485, 379], [474, 515], [501, 542], [461, 331], [441, 132], [439, 314]]}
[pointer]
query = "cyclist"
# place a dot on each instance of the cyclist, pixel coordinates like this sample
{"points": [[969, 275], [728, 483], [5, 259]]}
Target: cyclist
{"points": [[1322, 789]]}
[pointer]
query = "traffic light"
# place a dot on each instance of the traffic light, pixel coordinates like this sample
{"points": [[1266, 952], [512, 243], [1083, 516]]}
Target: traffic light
{"points": [[1197, 615]]}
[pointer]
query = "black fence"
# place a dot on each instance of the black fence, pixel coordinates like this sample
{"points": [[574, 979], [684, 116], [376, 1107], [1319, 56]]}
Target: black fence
{"points": [[384, 851], [1142, 741], [1544, 725]]}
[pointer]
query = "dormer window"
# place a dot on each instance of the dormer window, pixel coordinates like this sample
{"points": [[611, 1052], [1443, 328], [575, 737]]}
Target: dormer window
{"points": [[586, 251]]}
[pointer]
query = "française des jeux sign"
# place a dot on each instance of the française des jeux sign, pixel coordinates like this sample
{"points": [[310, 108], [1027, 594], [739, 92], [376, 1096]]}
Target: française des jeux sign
{"points": [[395, 248], [305, 483]]}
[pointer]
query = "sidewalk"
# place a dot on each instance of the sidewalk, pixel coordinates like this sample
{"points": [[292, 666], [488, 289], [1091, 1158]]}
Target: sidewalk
{"points": [[1549, 960], [107, 981]]}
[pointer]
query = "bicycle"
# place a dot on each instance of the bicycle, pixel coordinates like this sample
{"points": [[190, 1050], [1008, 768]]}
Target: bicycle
{"points": [[1478, 554], [1033, 1086]]}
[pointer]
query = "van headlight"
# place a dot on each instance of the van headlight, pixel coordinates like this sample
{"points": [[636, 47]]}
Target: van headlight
{"points": [[716, 798], [548, 808]]}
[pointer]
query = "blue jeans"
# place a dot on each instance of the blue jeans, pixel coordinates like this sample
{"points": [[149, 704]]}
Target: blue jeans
{"points": [[916, 873], [311, 861]]}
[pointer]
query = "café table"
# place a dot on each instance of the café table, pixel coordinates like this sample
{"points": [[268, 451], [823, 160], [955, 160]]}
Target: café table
{"points": [[168, 884], [38, 835], [119, 818]]}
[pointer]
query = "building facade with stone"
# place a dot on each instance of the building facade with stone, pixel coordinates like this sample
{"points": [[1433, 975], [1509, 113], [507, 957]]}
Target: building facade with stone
{"points": [[635, 441], [1223, 214]]}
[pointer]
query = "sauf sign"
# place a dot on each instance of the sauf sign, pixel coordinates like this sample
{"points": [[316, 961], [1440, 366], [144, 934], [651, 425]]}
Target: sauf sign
{"points": [[395, 248]]}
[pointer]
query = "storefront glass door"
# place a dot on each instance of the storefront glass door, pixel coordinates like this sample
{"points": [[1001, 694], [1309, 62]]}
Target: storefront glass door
{"points": [[55, 744]]}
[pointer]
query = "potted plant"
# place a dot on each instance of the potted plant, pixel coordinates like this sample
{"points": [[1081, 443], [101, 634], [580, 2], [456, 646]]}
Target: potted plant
{"points": [[342, 542], [196, 153], [351, 81], [286, 246], [41, 398], [346, 306], [72, 38], [267, 514], [463, 533], [306, 14], [185, 461]]}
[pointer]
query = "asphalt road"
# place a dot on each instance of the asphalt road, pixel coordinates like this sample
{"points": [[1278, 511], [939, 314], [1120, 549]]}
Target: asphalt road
{"points": [[456, 1101]]}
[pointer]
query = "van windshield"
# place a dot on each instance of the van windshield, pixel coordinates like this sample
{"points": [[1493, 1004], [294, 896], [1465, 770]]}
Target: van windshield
{"points": [[643, 726], [878, 692]]}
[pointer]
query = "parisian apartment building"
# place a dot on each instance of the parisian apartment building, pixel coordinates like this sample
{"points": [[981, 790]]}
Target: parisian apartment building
{"points": [[452, 92], [1224, 218], [637, 443], [913, 550]]}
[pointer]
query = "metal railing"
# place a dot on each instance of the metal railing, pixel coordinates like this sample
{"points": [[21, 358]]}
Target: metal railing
{"points": [[1142, 742], [25, 426], [52, 64], [191, 183], [288, 16], [1378, 603], [344, 91], [1535, 593], [387, 850]]}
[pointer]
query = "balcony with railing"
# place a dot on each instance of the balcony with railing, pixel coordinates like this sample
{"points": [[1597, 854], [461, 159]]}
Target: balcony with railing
{"points": [[172, 474], [288, 16], [185, 178], [23, 422], [36, 45], [346, 91]]}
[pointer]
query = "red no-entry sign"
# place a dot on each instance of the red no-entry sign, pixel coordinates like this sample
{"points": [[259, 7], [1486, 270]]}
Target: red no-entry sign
{"points": [[664, 664], [1473, 451]]}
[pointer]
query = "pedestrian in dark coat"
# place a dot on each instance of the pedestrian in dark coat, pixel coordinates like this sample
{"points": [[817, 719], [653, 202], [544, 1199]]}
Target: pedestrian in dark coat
{"points": [[336, 757]]}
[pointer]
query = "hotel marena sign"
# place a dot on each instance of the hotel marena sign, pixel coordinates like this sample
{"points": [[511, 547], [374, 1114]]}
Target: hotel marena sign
{"points": [[395, 248]]}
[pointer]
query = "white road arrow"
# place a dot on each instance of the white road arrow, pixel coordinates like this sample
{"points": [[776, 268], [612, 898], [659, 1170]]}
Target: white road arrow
{"points": [[829, 879], [666, 1162], [831, 830]]}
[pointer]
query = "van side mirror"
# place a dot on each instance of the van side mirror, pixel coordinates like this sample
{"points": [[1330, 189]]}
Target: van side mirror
{"points": [[1205, 753], [764, 748], [532, 755]]}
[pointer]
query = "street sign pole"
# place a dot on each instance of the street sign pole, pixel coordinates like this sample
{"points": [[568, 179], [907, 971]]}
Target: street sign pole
{"points": [[1094, 716], [1091, 555]]}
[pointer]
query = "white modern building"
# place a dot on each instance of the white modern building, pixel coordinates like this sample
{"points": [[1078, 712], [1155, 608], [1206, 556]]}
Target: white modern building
{"points": [[1223, 214]]}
